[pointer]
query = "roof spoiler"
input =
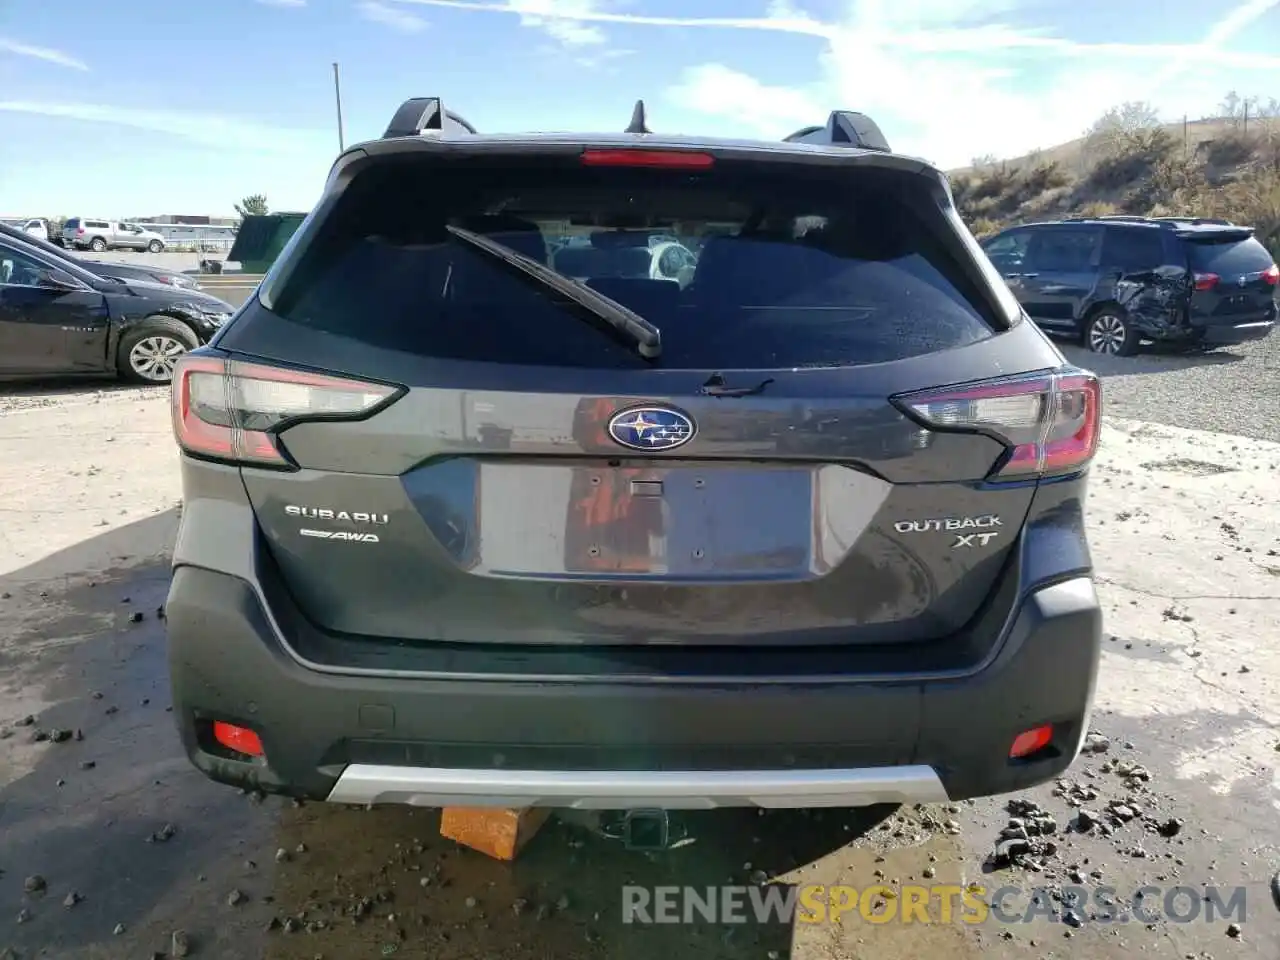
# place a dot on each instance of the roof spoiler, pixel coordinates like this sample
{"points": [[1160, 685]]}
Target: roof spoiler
{"points": [[844, 128], [425, 115]]}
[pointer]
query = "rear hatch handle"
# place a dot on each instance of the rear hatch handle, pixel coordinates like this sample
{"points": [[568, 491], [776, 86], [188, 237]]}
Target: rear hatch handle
{"points": [[716, 387], [634, 329]]}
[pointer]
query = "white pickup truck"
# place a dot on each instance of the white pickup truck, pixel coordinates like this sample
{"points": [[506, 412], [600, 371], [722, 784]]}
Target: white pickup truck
{"points": [[36, 227]]}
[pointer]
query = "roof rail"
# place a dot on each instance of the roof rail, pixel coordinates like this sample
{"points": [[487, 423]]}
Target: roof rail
{"points": [[419, 115], [1197, 221], [844, 128]]}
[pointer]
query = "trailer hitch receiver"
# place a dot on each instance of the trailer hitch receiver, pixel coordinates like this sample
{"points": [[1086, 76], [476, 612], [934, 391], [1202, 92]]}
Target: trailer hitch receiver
{"points": [[648, 829]]}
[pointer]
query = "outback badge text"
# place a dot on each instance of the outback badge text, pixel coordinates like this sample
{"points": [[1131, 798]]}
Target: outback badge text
{"points": [[947, 524]]}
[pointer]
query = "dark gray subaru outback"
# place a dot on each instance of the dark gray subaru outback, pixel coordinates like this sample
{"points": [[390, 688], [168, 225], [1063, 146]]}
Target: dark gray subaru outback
{"points": [[759, 490]]}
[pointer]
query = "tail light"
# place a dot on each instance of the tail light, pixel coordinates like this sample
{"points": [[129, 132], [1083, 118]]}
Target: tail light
{"points": [[231, 410], [1206, 281], [1050, 421], [79, 231], [1271, 275], [665, 159]]}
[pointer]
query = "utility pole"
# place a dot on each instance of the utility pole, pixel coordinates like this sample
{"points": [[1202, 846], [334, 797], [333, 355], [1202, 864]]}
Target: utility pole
{"points": [[337, 97]]}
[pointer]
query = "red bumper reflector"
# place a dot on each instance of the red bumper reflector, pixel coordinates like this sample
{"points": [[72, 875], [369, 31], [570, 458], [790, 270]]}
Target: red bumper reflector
{"points": [[1031, 741], [238, 739]]}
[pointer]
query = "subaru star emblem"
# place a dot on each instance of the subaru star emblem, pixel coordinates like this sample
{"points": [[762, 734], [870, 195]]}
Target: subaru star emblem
{"points": [[650, 428]]}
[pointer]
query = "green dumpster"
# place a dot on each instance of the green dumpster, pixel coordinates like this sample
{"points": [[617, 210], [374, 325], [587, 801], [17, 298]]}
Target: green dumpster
{"points": [[261, 238]]}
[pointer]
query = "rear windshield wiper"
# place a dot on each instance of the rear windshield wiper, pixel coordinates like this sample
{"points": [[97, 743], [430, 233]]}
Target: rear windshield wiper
{"points": [[635, 329]]}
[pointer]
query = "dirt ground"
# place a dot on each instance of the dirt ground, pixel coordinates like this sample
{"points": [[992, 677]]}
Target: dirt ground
{"points": [[111, 846]]}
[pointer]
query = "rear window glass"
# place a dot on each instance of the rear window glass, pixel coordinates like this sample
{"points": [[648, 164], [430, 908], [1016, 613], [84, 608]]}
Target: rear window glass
{"points": [[1229, 258], [746, 267], [72, 223]]}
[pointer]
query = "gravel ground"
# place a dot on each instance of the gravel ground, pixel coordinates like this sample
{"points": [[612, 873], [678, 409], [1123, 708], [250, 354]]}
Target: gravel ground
{"points": [[1231, 390]]}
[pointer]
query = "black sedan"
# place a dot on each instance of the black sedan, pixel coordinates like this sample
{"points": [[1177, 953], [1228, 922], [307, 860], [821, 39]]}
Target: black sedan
{"points": [[145, 272], [58, 318], [140, 272]]}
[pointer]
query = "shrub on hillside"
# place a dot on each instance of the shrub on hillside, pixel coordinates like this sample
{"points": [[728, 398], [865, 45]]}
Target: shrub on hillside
{"points": [[994, 183], [983, 227], [1097, 208], [1046, 175], [1231, 149], [1131, 156]]}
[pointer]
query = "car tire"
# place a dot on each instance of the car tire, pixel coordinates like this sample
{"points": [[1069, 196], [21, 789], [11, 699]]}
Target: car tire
{"points": [[97, 245], [155, 246], [148, 352], [1110, 333]]}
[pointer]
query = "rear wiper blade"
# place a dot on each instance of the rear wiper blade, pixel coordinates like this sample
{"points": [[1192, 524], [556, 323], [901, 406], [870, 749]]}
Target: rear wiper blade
{"points": [[635, 329]]}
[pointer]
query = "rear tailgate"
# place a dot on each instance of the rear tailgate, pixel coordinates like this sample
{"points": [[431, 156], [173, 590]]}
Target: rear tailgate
{"points": [[1234, 278], [538, 482]]}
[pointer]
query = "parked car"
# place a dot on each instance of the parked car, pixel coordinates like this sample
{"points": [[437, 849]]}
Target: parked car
{"points": [[1113, 282], [460, 529], [82, 233], [39, 228], [113, 271], [58, 318], [141, 272]]}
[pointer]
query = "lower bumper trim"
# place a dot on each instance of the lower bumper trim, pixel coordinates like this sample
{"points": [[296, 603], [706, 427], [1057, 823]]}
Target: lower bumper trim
{"points": [[366, 784]]}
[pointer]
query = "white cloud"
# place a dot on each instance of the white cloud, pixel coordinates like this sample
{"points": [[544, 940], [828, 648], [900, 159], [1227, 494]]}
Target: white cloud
{"points": [[940, 28], [565, 21], [389, 16], [1222, 31], [716, 89], [947, 79], [47, 54], [224, 132]]}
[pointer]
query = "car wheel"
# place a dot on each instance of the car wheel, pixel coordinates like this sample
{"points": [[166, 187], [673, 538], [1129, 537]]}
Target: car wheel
{"points": [[97, 244], [1109, 332], [155, 246], [149, 352]]}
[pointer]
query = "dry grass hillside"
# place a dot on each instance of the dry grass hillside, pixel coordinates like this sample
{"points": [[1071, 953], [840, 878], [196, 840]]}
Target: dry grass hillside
{"points": [[1130, 163]]}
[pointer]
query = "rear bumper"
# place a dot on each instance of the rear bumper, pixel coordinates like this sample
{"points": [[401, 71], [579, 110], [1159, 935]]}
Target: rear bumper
{"points": [[434, 742], [1238, 333]]}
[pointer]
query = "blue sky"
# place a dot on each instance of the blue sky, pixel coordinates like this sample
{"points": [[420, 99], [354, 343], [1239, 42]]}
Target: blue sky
{"points": [[123, 109]]}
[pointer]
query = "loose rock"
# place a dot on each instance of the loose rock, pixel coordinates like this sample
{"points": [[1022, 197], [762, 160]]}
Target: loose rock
{"points": [[35, 884], [179, 944], [71, 899], [235, 898]]}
